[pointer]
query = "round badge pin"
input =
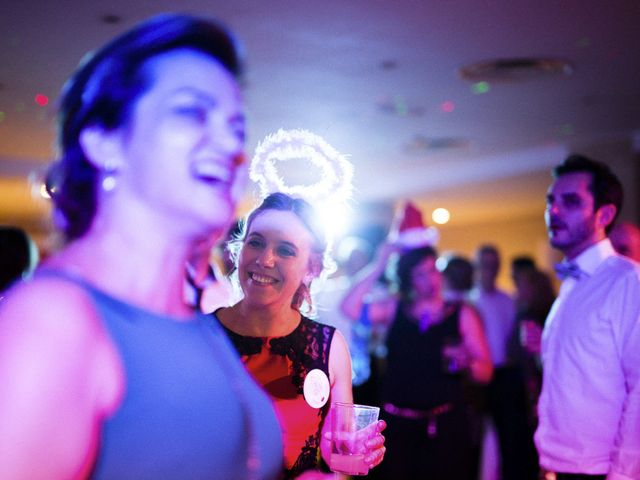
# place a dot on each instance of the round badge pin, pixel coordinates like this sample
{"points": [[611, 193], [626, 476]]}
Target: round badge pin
{"points": [[316, 388]]}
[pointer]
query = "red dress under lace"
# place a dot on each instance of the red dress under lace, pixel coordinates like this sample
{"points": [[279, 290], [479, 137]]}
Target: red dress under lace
{"points": [[280, 365]]}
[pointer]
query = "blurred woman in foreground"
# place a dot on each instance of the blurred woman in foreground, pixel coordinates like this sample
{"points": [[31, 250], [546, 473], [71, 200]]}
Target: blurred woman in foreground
{"points": [[105, 371]]}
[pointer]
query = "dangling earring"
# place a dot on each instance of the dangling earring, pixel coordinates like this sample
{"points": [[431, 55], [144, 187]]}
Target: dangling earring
{"points": [[109, 176], [302, 294], [307, 296]]}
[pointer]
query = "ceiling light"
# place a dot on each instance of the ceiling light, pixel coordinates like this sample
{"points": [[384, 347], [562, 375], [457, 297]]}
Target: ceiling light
{"points": [[440, 216]]}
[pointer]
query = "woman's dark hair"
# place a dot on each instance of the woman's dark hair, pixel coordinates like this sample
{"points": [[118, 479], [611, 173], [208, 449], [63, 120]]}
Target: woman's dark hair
{"points": [[604, 186], [404, 268], [309, 218], [103, 91]]}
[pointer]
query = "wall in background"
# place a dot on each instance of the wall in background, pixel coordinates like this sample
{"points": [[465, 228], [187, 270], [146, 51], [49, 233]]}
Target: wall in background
{"points": [[517, 236]]}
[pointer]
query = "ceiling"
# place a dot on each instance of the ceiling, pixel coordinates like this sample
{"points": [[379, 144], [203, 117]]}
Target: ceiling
{"points": [[379, 80]]}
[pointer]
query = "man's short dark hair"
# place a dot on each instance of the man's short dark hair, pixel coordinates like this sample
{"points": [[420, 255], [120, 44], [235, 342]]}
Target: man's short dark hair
{"points": [[605, 185], [523, 262], [459, 273]]}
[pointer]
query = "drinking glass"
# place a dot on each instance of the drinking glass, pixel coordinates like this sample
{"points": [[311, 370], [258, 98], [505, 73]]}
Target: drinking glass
{"points": [[351, 426]]}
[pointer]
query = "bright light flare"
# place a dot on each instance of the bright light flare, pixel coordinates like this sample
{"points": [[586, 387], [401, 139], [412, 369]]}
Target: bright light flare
{"points": [[44, 193], [440, 216], [334, 218]]}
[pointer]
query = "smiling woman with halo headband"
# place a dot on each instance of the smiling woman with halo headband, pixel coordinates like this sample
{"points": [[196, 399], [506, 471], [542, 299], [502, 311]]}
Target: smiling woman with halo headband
{"points": [[105, 371], [281, 249]]}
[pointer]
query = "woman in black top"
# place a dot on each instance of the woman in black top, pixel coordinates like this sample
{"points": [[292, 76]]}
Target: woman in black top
{"points": [[433, 347]]}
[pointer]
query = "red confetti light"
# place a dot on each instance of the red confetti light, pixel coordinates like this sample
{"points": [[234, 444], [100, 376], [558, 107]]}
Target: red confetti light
{"points": [[448, 106], [41, 99]]}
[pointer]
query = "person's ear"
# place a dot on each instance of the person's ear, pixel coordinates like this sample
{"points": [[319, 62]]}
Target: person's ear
{"points": [[605, 215], [102, 148]]}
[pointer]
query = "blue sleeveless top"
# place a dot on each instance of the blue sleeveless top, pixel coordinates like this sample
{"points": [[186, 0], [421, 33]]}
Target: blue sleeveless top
{"points": [[190, 410]]}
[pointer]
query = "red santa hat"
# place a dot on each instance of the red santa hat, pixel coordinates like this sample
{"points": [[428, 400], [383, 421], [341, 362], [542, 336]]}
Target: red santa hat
{"points": [[411, 231]]}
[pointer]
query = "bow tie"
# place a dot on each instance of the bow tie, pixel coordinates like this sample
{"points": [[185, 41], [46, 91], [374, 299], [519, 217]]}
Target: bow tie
{"points": [[568, 269]]}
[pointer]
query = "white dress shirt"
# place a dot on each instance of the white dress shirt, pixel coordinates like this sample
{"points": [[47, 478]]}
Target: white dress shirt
{"points": [[498, 313], [589, 408]]}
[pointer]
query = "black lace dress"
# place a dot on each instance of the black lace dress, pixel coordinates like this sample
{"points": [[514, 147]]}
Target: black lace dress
{"points": [[281, 365]]}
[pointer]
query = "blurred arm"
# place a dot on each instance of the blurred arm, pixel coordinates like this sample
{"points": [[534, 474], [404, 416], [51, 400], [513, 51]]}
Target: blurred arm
{"points": [[475, 342], [52, 353], [352, 303]]}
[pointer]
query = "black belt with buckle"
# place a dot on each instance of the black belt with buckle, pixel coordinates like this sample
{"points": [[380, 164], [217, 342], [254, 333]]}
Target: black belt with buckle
{"points": [[577, 476], [431, 415]]}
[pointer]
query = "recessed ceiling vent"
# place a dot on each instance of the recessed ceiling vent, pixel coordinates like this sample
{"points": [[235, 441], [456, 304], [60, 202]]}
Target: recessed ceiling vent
{"points": [[111, 19], [510, 70], [423, 144]]}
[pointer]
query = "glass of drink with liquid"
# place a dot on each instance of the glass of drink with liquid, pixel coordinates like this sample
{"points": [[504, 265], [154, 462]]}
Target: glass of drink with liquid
{"points": [[351, 426]]}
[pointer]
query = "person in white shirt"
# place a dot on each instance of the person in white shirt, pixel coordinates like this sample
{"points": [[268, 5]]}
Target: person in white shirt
{"points": [[496, 307], [589, 409], [506, 393], [625, 238]]}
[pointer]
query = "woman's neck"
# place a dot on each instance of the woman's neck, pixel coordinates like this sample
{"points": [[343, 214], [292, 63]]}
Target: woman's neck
{"points": [[254, 321], [150, 276]]}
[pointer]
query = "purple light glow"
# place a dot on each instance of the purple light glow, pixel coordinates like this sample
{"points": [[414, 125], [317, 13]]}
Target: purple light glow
{"points": [[447, 106]]}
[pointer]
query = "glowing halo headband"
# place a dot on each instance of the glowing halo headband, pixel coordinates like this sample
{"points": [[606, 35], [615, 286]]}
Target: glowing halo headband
{"points": [[334, 184]]}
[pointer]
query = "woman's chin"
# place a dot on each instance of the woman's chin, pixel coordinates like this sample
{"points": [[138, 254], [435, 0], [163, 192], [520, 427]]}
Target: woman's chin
{"points": [[217, 220]]}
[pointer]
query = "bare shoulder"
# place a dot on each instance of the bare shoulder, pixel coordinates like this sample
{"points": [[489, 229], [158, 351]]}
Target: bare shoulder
{"points": [[338, 342], [50, 326], [50, 309], [469, 311], [470, 321], [63, 377]]}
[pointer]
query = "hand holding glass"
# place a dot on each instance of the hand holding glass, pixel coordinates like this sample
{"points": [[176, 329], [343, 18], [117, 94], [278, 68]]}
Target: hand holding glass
{"points": [[530, 336], [455, 356], [351, 426]]}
